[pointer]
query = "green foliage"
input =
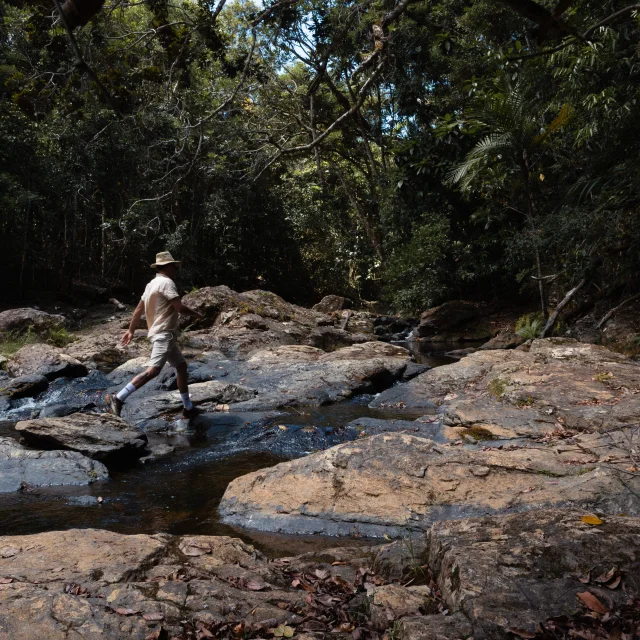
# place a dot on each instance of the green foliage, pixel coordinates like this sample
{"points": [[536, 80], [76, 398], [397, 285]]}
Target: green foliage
{"points": [[497, 387], [530, 325], [417, 276], [464, 167], [15, 340]]}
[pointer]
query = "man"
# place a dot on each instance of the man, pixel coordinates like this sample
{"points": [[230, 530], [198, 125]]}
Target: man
{"points": [[162, 305]]}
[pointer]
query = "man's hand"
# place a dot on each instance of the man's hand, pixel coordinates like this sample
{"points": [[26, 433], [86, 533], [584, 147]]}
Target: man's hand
{"points": [[126, 338]]}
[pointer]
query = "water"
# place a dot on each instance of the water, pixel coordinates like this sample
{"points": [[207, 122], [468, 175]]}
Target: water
{"points": [[179, 495]]}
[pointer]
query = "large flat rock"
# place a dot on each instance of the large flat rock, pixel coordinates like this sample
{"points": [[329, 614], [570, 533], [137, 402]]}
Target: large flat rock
{"points": [[556, 383], [284, 376], [515, 572], [99, 436], [20, 467], [392, 482]]}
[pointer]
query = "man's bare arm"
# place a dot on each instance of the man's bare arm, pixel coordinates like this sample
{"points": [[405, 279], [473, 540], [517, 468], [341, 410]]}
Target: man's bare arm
{"points": [[178, 305], [133, 325]]}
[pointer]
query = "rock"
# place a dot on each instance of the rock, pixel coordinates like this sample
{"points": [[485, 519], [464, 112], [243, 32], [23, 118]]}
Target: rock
{"points": [[144, 406], [516, 571], [460, 353], [19, 320], [3, 362], [239, 323], [285, 375], [20, 467], [24, 386], [294, 441], [504, 340], [99, 436], [388, 483], [88, 583], [495, 574], [390, 602], [332, 303], [556, 383], [157, 452], [450, 317], [435, 627], [45, 360], [100, 347]]}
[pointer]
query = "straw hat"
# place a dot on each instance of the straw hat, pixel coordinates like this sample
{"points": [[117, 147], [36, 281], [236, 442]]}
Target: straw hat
{"points": [[164, 257]]}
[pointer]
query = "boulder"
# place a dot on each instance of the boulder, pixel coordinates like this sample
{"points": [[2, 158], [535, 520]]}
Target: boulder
{"points": [[282, 376], [100, 347], [45, 360], [504, 340], [239, 323], [19, 320], [21, 467], [24, 386], [99, 436], [556, 383], [508, 574], [388, 483], [332, 303], [457, 317]]}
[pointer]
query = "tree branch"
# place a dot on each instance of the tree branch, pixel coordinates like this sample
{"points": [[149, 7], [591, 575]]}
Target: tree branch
{"points": [[565, 301], [615, 310], [80, 63]]}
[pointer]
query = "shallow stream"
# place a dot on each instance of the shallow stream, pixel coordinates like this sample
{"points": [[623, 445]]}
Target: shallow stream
{"points": [[179, 495]]}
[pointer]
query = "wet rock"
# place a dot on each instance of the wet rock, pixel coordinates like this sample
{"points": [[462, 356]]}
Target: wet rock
{"points": [[45, 360], [19, 320], [24, 386], [331, 303], [504, 340], [99, 436], [20, 467], [145, 405], [556, 383], [157, 452], [392, 482], [514, 572], [286, 375], [461, 353]]}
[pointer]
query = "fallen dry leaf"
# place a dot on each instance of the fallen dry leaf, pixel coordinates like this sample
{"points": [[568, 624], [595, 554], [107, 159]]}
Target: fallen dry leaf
{"points": [[592, 520], [193, 550], [256, 585], [126, 612], [6, 580], [591, 602], [9, 552]]}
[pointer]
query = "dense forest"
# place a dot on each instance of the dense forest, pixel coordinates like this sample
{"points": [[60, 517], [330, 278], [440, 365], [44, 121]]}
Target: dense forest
{"points": [[405, 150]]}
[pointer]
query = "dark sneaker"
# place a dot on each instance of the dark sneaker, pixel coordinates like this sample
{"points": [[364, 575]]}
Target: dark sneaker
{"points": [[188, 414], [114, 404]]}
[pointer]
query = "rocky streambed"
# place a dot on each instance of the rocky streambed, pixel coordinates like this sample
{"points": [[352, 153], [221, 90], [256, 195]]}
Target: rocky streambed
{"points": [[507, 479]]}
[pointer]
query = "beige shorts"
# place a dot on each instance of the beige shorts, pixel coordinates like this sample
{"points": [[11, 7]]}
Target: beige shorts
{"points": [[165, 349]]}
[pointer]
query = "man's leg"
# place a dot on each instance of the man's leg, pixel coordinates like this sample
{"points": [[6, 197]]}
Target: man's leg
{"points": [[116, 401], [175, 358]]}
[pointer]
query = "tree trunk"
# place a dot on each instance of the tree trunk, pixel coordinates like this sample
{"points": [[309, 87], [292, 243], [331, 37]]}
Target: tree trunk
{"points": [[565, 301]]}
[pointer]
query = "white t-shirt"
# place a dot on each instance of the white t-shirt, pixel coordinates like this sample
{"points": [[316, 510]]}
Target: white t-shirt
{"points": [[157, 296]]}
